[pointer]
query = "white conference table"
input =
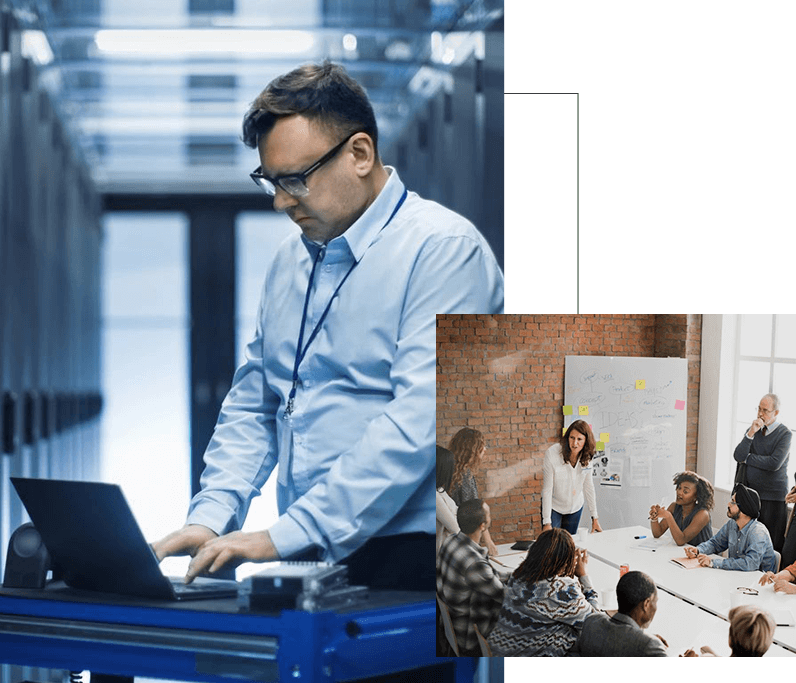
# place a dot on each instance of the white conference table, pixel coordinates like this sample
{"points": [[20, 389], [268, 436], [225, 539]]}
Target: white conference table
{"points": [[682, 624], [714, 590]]}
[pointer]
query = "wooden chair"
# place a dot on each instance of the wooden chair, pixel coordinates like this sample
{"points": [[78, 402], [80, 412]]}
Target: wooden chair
{"points": [[486, 651], [447, 623]]}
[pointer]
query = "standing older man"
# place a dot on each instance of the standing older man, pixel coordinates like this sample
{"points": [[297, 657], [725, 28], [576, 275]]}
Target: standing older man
{"points": [[765, 449]]}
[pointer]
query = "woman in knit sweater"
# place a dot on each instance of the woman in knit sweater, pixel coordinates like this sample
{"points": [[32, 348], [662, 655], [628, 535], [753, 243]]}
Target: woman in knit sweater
{"points": [[546, 601]]}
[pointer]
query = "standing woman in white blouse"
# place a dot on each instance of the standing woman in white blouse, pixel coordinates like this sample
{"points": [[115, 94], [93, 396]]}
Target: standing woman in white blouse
{"points": [[568, 480]]}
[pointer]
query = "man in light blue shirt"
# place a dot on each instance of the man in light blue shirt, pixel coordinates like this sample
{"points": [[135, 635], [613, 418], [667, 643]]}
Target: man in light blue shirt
{"points": [[743, 536], [338, 387]]}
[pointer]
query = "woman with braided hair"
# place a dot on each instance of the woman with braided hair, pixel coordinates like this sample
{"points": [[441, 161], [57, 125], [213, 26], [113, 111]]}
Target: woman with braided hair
{"points": [[546, 600]]}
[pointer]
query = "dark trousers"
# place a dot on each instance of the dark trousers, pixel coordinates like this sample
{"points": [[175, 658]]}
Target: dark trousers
{"points": [[789, 547], [402, 562], [774, 516]]}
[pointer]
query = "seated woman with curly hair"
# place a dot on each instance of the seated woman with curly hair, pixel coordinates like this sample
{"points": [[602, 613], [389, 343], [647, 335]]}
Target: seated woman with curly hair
{"points": [[688, 517]]}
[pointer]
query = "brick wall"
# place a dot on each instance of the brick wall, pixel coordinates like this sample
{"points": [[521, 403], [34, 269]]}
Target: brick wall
{"points": [[504, 375]]}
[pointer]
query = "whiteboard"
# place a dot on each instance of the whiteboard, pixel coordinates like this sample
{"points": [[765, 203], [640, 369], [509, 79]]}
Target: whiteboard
{"points": [[637, 408]]}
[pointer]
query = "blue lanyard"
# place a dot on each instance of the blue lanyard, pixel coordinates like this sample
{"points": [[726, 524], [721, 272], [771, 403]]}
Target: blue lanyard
{"points": [[301, 349]]}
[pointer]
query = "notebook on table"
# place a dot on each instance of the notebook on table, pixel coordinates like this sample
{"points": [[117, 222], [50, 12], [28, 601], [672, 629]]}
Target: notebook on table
{"points": [[686, 562]]}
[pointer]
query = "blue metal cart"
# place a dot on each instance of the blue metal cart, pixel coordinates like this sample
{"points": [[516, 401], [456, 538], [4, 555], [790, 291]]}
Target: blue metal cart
{"points": [[210, 640]]}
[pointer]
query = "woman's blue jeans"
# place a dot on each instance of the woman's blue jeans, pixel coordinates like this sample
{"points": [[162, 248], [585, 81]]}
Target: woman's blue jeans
{"points": [[569, 522]]}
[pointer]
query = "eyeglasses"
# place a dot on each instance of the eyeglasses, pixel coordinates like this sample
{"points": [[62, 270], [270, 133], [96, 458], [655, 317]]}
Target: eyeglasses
{"points": [[295, 184], [747, 591]]}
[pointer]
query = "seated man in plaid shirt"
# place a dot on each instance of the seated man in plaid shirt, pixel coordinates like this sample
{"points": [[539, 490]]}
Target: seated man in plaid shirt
{"points": [[466, 582]]}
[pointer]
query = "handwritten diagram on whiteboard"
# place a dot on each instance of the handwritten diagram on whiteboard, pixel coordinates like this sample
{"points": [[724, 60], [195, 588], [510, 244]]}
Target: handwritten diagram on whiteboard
{"points": [[637, 411]]}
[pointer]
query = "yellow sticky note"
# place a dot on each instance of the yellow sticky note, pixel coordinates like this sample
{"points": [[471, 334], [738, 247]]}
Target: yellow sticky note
{"points": [[567, 410], [600, 446], [583, 410], [563, 431], [605, 437], [641, 384]]}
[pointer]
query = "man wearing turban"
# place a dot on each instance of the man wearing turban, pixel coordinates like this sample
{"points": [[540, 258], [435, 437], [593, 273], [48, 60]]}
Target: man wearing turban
{"points": [[747, 541]]}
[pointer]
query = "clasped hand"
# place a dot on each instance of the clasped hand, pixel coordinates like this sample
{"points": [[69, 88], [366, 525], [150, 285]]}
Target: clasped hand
{"points": [[658, 511], [581, 560], [211, 552]]}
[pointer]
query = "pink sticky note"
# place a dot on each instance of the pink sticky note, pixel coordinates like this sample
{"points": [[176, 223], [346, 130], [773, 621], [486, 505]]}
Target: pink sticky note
{"points": [[679, 405]]}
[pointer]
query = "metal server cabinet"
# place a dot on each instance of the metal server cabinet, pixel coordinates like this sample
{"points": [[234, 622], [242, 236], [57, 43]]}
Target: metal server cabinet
{"points": [[49, 284]]}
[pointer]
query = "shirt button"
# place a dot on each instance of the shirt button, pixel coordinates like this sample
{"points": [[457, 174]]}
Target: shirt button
{"points": [[328, 269]]}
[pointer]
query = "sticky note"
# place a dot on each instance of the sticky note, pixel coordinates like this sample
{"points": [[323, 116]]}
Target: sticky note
{"points": [[583, 410], [567, 410], [679, 405], [641, 384], [605, 437], [563, 431], [600, 446]]}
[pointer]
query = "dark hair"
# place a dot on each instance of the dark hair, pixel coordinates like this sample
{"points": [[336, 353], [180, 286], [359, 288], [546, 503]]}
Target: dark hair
{"points": [[324, 93], [704, 499], [633, 589], [587, 453], [444, 468], [471, 515], [553, 554]]}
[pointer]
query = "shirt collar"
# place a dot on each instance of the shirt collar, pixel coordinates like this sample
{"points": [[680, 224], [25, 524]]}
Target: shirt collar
{"points": [[772, 427], [366, 228], [746, 529], [473, 544]]}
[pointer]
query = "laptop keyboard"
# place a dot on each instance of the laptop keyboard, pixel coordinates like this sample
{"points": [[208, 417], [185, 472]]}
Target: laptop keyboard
{"points": [[202, 585]]}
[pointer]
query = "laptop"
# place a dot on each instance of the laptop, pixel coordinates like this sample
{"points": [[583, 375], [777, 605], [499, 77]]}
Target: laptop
{"points": [[91, 534]]}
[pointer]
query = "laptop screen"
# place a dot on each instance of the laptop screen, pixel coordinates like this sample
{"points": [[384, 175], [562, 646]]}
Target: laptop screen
{"points": [[91, 534]]}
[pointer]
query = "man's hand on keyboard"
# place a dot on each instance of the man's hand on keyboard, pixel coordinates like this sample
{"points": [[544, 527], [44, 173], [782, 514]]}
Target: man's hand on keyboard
{"points": [[185, 541], [235, 547]]}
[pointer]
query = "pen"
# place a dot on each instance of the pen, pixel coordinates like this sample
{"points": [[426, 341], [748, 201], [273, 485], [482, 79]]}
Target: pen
{"points": [[638, 537]]}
